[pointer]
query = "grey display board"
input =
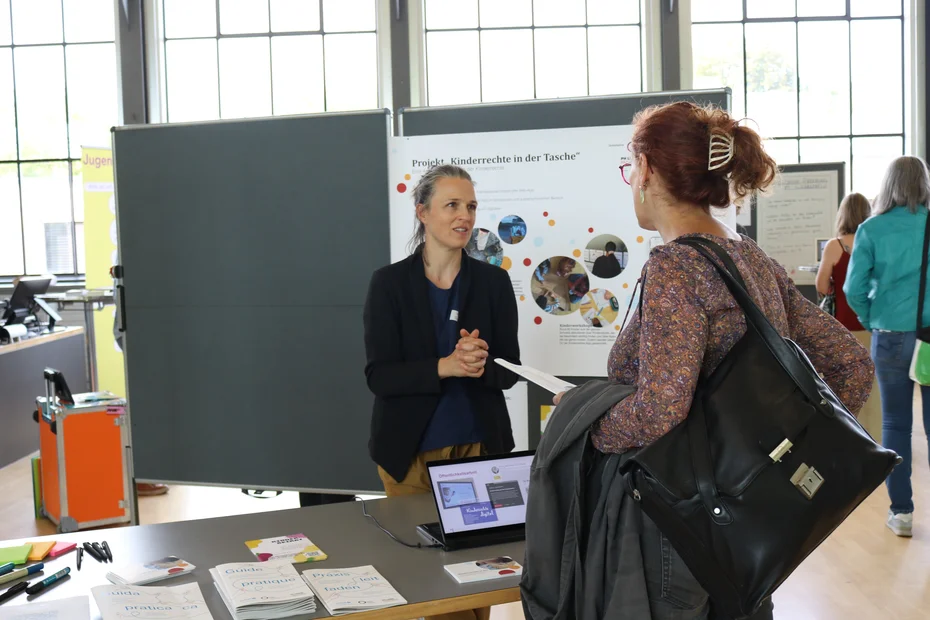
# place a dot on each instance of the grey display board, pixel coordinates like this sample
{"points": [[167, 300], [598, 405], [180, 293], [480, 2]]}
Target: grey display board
{"points": [[247, 248], [550, 114], [546, 114]]}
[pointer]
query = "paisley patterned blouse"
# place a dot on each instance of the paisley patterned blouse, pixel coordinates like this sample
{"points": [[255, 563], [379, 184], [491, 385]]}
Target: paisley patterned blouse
{"points": [[692, 322]]}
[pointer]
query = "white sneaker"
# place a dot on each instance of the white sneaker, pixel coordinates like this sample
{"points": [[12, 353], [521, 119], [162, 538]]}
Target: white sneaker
{"points": [[901, 524]]}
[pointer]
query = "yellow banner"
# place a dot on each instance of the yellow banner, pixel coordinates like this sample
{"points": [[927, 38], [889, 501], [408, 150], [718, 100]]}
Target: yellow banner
{"points": [[100, 255]]}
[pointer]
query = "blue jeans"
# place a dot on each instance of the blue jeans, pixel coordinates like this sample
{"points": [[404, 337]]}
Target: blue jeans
{"points": [[892, 352]]}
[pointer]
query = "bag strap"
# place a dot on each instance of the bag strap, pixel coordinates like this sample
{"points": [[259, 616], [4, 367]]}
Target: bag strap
{"points": [[923, 276], [757, 321]]}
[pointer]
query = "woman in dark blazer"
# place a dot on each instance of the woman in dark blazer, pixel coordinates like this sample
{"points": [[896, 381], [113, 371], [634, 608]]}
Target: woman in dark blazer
{"points": [[434, 322]]}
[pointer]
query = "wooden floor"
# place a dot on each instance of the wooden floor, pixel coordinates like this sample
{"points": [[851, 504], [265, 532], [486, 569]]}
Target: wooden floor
{"points": [[863, 572]]}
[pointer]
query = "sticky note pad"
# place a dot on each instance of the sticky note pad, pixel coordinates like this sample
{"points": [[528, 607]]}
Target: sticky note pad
{"points": [[61, 548], [40, 550], [17, 555]]}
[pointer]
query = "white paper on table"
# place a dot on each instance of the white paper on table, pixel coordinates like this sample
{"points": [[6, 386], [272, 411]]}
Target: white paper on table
{"points": [[72, 608], [184, 602], [544, 380]]}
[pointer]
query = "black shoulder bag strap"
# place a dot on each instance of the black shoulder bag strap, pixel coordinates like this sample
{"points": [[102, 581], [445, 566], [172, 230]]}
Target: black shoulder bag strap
{"points": [[756, 320], [923, 283]]}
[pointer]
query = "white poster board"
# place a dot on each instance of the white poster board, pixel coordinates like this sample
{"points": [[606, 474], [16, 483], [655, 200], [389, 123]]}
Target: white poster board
{"points": [[544, 195], [549, 204], [799, 209], [518, 409]]}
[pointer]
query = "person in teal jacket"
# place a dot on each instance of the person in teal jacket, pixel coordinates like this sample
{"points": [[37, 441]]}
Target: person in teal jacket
{"points": [[882, 286]]}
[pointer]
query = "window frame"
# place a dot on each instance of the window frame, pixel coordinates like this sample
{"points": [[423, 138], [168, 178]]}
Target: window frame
{"points": [[911, 136], [650, 47], [157, 67]]}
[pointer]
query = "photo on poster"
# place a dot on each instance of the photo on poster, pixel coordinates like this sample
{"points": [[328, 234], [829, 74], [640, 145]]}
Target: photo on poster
{"points": [[600, 308], [606, 256], [485, 246], [559, 285], [512, 229]]}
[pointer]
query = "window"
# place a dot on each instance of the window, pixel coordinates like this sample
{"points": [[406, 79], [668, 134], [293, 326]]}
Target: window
{"points": [[824, 80], [505, 50], [57, 93], [248, 58]]}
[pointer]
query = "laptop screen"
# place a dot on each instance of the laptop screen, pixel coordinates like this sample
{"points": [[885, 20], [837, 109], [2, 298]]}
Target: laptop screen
{"points": [[481, 494]]}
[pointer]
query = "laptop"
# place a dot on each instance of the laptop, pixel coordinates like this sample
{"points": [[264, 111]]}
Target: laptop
{"points": [[481, 501]]}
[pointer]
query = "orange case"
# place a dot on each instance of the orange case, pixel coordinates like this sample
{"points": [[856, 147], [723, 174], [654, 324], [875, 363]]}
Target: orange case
{"points": [[85, 481]]}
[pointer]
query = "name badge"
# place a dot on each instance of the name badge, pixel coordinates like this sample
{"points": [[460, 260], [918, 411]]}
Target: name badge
{"points": [[454, 315]]}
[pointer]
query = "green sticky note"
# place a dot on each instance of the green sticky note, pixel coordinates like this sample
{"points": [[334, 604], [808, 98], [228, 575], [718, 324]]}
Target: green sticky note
{"points": [[16, 555]]}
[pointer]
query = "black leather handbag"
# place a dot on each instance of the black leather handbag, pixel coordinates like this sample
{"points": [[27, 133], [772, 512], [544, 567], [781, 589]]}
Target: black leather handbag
{"points": [[766, 465]]}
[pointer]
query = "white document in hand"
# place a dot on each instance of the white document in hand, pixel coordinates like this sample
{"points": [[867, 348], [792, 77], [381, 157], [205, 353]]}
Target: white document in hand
{"points": [[542, 379]]}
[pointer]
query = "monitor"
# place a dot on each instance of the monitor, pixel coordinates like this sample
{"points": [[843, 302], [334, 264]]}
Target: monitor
{"points": [[23, 298], [481, 493]]}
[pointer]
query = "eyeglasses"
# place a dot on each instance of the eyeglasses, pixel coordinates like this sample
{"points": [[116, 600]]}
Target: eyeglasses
{"points": [[626, 170]]}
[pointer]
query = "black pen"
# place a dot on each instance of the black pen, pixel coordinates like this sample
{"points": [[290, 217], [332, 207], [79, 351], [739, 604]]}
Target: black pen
{"points": [[93, 552], [13, 591], [99, 551], [106, 548], [48, 581], [80, 554]]}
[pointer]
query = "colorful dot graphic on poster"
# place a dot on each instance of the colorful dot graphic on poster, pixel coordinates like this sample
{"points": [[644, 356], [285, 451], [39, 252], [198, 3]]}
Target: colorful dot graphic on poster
{"points": [[551, 222], [406, 177], [527, 262], [522, 297], [506, 263], [401, 187], [639, 239], [590, 230], [576, 253], [538, 241], [559, 285], [545, 214], [538, 320], [617, 327], [625, 285]]}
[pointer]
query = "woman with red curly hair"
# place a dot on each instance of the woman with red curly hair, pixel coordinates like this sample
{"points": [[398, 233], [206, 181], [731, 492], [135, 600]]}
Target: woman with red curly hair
{"points": [[687, 159]]}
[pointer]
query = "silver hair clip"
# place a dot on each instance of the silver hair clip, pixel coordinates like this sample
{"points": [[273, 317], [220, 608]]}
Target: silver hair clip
{"points": [[721, 150]]}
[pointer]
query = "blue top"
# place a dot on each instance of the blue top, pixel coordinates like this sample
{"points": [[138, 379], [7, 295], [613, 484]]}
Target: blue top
{"points": [[453, 423], [884, 272]]}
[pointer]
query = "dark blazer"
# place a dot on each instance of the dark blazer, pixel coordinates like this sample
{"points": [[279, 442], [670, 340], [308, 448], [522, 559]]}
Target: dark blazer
{"points": [[402, 368]]}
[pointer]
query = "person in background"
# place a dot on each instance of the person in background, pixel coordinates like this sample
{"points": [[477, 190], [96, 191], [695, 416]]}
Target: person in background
{"points": [[853, 211], [607, 265], [881, 287], [688, 323], [434, 322]]}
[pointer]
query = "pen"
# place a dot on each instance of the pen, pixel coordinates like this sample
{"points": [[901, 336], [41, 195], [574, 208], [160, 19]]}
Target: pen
{"points": [[80, 554], [16, 574], [13, 591], [92, 552], [106, 548], [6, 568], [48, 581], [100, 551]]}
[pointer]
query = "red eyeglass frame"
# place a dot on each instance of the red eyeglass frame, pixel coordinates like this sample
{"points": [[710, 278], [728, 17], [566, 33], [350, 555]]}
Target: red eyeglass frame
{"points": [[623, 171]]}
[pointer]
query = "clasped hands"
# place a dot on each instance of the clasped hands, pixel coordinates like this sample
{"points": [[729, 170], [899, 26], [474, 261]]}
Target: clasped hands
{"points": [[468, 359]]}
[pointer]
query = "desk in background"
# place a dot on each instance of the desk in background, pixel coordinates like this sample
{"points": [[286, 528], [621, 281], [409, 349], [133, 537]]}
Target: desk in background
{"points": [[340, 530], [89, 301], [21, 381]]}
